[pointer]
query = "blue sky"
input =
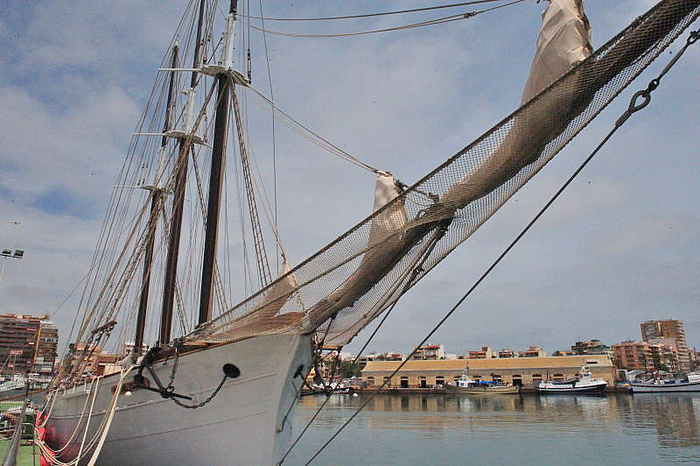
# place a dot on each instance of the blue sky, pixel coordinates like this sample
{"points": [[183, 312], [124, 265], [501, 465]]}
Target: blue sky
{"points": [[620, 247]]}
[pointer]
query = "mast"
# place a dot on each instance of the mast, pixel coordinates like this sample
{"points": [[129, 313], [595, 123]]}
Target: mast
{"points": [[217, 161], [156, 196], [166, 318]]}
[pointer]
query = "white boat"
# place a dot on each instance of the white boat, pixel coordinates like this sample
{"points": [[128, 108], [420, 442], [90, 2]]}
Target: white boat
{"points": [[583, 384], [221, 387], [467, 385], [17, 382], [691, 383]]}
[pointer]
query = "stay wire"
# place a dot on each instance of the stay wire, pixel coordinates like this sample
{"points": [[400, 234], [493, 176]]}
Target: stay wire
{"points": [[374, 15], [274, 139], [431, 22], [633, 107]]}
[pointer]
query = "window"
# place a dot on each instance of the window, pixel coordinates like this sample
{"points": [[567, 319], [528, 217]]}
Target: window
{"points": [[370, 380], [404, 382], [536, 379], [439, 380]]}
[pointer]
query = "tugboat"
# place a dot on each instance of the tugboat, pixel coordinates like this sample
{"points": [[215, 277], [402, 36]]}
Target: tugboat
{"points": [[584, 383]]}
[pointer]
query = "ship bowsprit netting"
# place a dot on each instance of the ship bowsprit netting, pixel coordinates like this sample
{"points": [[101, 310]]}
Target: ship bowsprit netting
{"points": [[339, 290]]}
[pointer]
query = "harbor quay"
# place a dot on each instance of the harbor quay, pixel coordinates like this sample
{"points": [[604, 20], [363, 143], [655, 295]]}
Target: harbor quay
{"points": [[418, 375]]}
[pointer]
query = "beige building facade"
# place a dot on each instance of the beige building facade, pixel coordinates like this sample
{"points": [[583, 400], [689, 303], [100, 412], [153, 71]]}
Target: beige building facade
{"points": [[655, 331], [526, 372]]}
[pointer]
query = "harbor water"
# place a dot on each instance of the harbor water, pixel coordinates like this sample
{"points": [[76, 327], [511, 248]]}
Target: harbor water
{"points": [[429, 429]]}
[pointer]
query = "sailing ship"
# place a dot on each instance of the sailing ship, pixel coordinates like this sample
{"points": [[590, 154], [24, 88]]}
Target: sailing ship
{"points": [[221, 390]]}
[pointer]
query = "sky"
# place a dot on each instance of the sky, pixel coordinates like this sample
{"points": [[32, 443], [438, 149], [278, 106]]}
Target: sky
{"points": [[619, 247]]}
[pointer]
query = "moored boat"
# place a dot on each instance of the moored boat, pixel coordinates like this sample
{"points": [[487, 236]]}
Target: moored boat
{"points": [[478, 387], [584, 383], [691, 383]]}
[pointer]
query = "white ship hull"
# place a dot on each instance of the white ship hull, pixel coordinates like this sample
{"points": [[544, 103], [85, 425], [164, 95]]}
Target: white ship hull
{"points": [[664, 388], [595, 387], [248, 422]]}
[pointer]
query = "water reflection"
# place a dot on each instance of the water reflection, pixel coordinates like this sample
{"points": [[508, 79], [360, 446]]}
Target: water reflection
{"points": [[623, 424]]}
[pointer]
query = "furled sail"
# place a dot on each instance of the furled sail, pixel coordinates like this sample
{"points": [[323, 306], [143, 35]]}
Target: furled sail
{"points": [[352, 280]]}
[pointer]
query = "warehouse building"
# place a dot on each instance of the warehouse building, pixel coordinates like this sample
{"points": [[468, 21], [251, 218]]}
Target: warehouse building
{"points": [[525, 372]]}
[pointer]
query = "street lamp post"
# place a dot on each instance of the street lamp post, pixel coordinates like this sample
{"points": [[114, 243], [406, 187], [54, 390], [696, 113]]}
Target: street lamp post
{"points": [[9, 254]]}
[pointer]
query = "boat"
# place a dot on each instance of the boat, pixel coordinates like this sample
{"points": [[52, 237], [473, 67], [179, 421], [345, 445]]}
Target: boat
{"points": [[690, 383], [583, 384], [205, 381], [335, 387], [16, 382], [479, 387]]}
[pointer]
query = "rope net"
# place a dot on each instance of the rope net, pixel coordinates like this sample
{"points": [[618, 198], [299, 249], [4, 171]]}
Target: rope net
{"points": [[347, 284]]}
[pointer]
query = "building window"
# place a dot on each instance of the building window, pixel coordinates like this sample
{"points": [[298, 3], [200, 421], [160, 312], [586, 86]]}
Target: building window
{"points": [[439, 380], [517, 380], [558, 377], [404, 382], [370, 380], [536, 379], [423, 382]]}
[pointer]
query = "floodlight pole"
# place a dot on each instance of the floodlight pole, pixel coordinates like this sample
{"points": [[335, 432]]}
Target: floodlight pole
{"points": [[8, 253]]}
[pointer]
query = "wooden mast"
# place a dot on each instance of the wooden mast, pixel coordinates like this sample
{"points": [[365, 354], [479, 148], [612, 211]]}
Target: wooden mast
{"points": [[166, 318], [156, 196], [215, 177]]}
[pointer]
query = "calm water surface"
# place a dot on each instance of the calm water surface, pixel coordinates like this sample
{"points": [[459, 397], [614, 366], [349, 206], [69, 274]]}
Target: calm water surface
{"points": [[645, 429]]}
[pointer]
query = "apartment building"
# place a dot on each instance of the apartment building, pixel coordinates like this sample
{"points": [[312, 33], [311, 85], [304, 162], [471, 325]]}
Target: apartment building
{"points": [[633, 355], [656, 331], [27, 343]]}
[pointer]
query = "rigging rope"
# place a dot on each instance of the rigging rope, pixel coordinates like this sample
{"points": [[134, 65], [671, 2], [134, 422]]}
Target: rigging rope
{"points": [[313, 137], [634, 106], [274, 138], [373, 15], [430, 22]]}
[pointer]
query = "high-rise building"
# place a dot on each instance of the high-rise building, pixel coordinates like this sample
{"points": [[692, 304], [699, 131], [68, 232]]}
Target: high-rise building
{"points": [[633, 355], [590, 347], [656, 331], [27, 343]]}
